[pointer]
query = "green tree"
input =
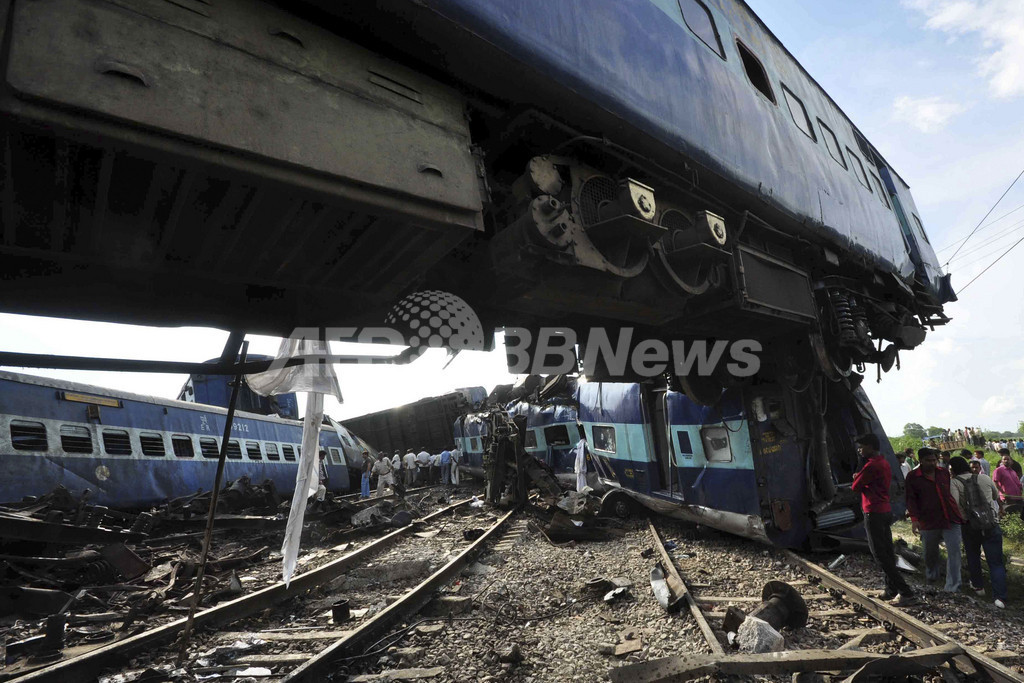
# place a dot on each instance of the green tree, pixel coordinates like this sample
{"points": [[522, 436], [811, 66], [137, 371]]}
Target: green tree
{"points": [[900, 443], [913, 430]]}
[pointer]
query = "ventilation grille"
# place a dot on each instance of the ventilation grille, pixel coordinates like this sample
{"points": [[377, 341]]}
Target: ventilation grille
{"points": [[673, 219], [595, 193]]}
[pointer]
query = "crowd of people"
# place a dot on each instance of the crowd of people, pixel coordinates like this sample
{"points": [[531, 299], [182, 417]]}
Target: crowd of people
{"points": [[951, 499], [399, 472]]}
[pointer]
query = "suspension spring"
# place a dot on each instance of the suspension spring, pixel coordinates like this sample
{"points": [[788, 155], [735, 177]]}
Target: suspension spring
{"points": [[844, 316]]}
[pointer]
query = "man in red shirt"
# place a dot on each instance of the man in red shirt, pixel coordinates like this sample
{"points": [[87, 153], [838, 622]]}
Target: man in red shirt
{"points": [[935, 517], [872, 482]]}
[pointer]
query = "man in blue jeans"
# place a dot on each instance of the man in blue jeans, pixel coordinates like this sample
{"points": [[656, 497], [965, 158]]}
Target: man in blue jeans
{"points": [[935, 516], [982, 492]]}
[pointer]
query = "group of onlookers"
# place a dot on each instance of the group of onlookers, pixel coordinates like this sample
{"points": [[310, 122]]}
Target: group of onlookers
{"points": [[951, 499], [399, 472]]}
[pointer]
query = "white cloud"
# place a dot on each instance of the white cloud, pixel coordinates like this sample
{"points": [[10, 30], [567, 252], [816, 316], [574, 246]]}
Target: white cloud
{"points": [[999, 24], [927, 114]]}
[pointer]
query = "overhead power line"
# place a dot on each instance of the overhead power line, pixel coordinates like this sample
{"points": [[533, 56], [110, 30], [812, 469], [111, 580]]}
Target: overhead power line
{"points": [[989, 241], [987, 213], [991, 264], [987, 225]]}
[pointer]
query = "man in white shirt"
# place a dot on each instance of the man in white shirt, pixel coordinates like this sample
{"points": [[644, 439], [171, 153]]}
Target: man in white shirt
{"points": [[423, 465], [383, 469], [435, 468], [409, 467]]}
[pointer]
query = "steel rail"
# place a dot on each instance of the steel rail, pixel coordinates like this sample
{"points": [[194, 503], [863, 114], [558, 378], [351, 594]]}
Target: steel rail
{"points": [[695, 610], [917, 630], [318, 666], [82, 666]]}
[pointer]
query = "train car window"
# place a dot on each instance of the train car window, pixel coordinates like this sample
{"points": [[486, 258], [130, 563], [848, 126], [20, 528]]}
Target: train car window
{"points": [[716, 444], [832, 144], [683, 443], [345, 440], [234, 451], [798, 112], [152, 444], [698, 19], [289, 452], [477, 443], [755, 72], [117, 442], [531, 439], [75, 439], [881, 191], [182, 446], [604, 439], [335, 456], [558, 435], [858, 169], [272, 453], [920, 228], [28, 436], [208, 447], [252, 449]]}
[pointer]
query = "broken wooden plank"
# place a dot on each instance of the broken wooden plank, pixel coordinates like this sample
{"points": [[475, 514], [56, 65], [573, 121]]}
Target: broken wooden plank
{"points": [[289, 636], [748, 598], [684, 668], [872, 637], [398, 675]]}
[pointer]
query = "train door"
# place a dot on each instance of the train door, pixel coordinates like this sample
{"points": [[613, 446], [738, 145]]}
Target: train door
{"points": [[657, 403]]}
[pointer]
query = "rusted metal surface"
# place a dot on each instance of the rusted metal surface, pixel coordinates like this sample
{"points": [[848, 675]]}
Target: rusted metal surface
{"points": [[916, 630], [411, 602], [677, 584], [80, 667]]}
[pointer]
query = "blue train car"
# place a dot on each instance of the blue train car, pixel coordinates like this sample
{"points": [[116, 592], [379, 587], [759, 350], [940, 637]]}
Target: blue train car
{"points": [[756, 464], [136, 451], [552, 433], [471, 434]]}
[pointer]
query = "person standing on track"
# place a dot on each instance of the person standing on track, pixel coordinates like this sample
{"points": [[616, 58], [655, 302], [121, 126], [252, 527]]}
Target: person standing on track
{"points": [[979, 504], [935, 516], [423, 466], [364, 486], [383, 469], [456, 459], [872, 482], [446, 466], [409, 469]]}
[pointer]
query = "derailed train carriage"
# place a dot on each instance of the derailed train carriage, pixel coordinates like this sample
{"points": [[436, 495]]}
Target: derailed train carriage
{"points": [[662, 164], [133, 451], [759, 463]]}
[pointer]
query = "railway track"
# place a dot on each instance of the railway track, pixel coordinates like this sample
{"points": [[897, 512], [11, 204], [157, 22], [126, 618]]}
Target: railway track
{"points": [[430, 539], [829, 599]]}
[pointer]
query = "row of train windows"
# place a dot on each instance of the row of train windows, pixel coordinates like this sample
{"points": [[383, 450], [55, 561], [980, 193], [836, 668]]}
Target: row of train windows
{"points": [[715, 439], [699, 20], [31, 436]]}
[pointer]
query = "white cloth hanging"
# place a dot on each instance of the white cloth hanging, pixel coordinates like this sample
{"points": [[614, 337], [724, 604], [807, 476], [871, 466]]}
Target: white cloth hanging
{"points": [[581, 465], [317, 379]]}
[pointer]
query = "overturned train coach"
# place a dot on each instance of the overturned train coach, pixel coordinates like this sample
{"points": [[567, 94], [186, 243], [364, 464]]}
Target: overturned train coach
{"points": [[762, 462], [133, 451], [662, 164]]}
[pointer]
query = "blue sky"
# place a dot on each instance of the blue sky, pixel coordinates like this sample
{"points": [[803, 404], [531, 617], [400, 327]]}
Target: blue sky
{"points": [[938, 88]]}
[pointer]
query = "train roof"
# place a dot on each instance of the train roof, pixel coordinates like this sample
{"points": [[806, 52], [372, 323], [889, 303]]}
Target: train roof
{"points": [[66, 385]]}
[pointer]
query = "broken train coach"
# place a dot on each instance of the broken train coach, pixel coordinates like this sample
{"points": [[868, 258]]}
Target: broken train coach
{"points": [[764, 462], [133, 451]]}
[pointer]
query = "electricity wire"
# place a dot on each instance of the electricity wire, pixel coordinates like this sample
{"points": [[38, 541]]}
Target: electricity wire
{"points": [[991, 264], [987, 225], [986, 216]]}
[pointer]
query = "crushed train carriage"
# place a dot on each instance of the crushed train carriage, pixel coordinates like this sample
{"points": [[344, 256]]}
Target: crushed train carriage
{"points": [[133, 451], [759, 463]]}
